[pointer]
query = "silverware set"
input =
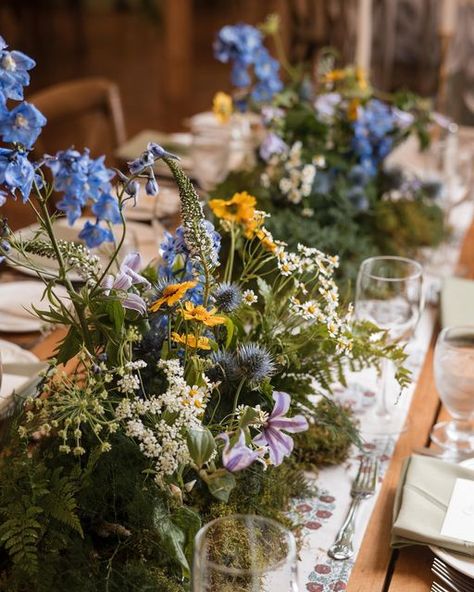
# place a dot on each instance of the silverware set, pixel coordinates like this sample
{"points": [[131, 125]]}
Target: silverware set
{"points": [[452, 580], [363, 487]]}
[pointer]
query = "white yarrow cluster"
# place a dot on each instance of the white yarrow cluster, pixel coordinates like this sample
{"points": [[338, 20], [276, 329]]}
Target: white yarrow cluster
{"points": [[295, 178], [160, 422]]}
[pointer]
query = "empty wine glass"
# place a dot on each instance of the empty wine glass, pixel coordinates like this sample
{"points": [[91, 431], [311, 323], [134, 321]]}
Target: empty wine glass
{"points": [[389, 293], [454, 377], [244, 554]]}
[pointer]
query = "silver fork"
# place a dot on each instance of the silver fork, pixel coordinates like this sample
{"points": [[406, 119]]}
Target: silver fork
{"points": [[435, 587], [362, 488], [448, 575]]}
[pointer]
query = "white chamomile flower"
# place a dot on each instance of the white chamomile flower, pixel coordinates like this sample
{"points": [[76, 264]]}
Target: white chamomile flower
{"points": [[319, 161], [249, 297]]}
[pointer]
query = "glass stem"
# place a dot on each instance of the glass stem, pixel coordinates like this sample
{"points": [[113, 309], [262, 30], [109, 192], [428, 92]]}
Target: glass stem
{"points": [[382, 405]]}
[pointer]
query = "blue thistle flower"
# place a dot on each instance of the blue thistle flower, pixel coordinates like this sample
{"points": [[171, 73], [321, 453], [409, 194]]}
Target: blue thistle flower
{"points": [[224, 367], [254, 363], [227, 297]]}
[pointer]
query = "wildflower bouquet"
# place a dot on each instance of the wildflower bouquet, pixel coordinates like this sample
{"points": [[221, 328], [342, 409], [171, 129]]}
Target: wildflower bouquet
{"points": [[320, 161], [177, 389]]}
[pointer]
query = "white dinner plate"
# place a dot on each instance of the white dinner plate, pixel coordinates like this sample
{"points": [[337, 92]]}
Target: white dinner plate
{"points": [[140, 237], [14, 354], [461, 563], [16, 301], [165, 204]]}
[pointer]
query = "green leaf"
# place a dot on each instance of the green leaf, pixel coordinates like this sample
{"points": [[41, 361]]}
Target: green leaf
{"points": [[264, 289], [69, 347], [189, 522], [116, 313], [201, 445], [220, 484], [229, 325], [172, 537]]}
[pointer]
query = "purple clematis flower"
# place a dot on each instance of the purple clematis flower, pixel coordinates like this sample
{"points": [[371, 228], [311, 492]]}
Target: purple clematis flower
{"points": [[272, 144], [273, 436], [127, 277], [326, 104], [239, 456]]}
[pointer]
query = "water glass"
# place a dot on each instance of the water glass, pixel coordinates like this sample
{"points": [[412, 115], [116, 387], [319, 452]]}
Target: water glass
{"points": [[454, 378], [244, 554], [389, 294]]}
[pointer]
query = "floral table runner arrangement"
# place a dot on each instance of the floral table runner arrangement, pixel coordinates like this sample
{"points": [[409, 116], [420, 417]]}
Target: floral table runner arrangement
{"points": [[181, 392], [319, 166]]}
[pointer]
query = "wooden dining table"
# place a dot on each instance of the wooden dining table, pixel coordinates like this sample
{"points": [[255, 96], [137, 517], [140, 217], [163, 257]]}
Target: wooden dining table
{"points": [[378, 567]]}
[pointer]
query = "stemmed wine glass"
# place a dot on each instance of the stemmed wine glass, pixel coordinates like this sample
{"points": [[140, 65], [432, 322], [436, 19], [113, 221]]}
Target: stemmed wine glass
{"points": [[454, 377], [242, 553], [389, 293]]}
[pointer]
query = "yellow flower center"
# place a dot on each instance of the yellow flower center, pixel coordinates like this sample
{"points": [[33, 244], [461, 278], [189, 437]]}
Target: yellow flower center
{"points": [[21, 121], [9, 63]]}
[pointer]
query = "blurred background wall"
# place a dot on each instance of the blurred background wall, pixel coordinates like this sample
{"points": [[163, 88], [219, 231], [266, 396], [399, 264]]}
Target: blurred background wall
{"points": [[160, 51]]}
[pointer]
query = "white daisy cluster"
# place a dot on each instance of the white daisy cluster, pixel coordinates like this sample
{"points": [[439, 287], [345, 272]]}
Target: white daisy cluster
{"points": [[313, 272], [160, 422], [295, 178]]}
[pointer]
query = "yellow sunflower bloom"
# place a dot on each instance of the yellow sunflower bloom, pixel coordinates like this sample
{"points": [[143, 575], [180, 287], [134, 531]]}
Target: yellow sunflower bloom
{"points": [[191, 341], [239, 208], [172, 294], [202, 315], [222, 107]]}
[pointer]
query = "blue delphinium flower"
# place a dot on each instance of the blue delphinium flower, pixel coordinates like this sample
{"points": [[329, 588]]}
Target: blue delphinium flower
{"points": [[358, 175], [254, 363], [148, 157], [72, 207], [240, 76], [79, 175], [107, 208], [237, 42], [14, 66], [22, 125], [227, 297], [16, 172], [83, 179], [358, 198], [94, 235], [372, 140], [243, 46]]}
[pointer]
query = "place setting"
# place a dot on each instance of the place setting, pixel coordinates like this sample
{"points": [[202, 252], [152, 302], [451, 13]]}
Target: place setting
{"points": [[237, 343]]}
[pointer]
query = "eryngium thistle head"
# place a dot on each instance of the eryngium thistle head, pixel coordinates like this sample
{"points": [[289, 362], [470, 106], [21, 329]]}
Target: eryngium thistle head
{"points": [[227, 297], [254, 363], [224, 367]]}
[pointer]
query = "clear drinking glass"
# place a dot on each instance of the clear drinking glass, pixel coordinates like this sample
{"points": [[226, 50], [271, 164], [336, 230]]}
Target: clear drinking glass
{"points": [[454, 377], [210, 151], [244, 554], [389, 293]]}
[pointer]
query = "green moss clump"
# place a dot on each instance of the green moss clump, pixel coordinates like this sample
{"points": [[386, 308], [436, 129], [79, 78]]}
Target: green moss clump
{"points": [[405, 225], [328, 441]]}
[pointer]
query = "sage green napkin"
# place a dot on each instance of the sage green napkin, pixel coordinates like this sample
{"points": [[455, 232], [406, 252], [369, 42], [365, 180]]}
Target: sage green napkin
{"points": [[457, 297], [421, 502]]}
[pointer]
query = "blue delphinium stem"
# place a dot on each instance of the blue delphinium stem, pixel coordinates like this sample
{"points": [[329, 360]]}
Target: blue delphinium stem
{"points": [[46, 220]]}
